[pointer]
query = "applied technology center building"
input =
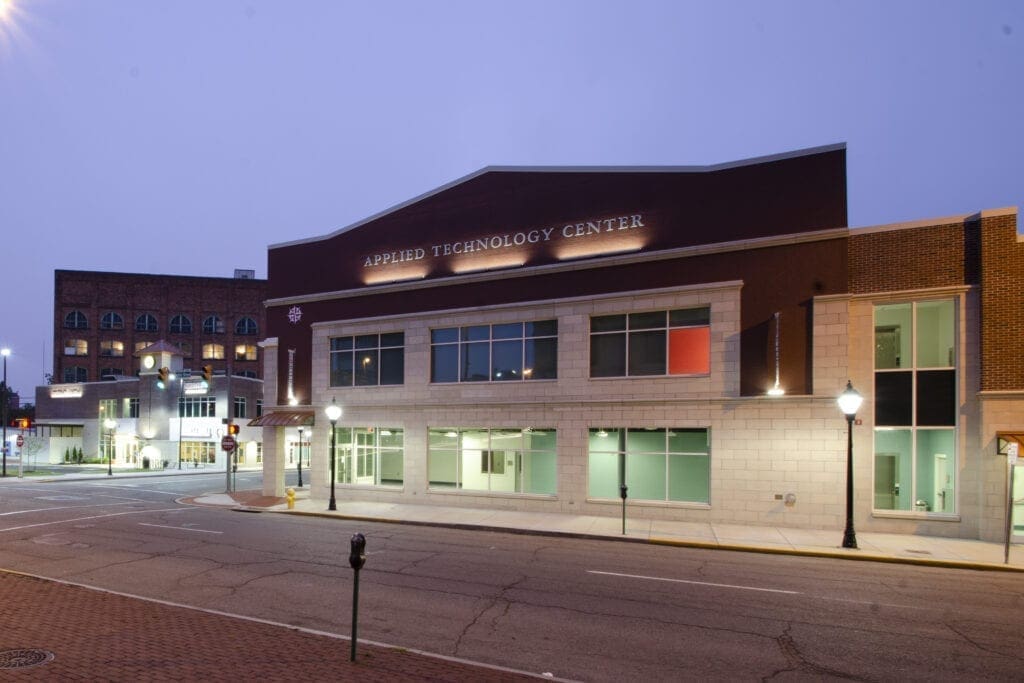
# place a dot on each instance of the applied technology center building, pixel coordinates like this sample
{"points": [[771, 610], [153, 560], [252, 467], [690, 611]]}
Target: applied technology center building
{"points": [[519, 338]]}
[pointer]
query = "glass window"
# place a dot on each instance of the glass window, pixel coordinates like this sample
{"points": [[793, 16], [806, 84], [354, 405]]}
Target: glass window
{"points": [[213, 325], [146, 323], [507, 460], [75, 374], [108, 409], [368, 360], [654, 343], [197, 406], [114, 349], [259, 407], [655, 464], [76, 347], [139, 345], [245, 352], [495, 353], [213, 351], [76, 320], [239, 407], [180, 324], [915, 407], [111, 321], [246, 325], [369, 456], [131, 407], [111, 372], [185, 348]]}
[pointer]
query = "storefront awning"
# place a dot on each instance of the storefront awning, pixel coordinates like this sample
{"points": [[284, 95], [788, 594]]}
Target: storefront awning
{"points": [[284, 418]]}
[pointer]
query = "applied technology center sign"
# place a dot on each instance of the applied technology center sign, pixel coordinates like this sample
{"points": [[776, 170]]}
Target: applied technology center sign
{"points": [[582, 230]]}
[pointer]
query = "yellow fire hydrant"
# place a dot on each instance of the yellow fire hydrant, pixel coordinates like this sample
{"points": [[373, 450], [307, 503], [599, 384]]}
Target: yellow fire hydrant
{"points": [[290, 494]]}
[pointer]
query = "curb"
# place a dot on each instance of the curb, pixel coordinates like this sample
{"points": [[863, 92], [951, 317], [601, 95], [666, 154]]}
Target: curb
{"points": [[703, 545]]}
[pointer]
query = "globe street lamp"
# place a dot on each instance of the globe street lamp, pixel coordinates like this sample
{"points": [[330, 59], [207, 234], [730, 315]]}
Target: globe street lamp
{"points": [[300, 457], [849, 402], [7, 400], [333, 413], [111, 425]]}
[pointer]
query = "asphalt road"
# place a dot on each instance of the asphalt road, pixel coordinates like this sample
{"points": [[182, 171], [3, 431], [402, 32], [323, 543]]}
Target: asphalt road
{"points": [[579, 609]]}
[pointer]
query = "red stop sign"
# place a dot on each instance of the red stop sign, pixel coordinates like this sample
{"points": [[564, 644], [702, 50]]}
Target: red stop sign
{"points": [[227, 443]]}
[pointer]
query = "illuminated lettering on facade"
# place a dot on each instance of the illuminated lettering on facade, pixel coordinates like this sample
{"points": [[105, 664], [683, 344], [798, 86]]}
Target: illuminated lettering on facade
{"points": [[583, 229]]}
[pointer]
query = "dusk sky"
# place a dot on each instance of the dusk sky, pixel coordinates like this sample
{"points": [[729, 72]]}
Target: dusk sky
{"points": [[184, 137]]}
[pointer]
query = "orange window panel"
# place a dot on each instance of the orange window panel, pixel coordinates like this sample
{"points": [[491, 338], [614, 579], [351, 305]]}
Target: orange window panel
{"points": [[689, 351]]}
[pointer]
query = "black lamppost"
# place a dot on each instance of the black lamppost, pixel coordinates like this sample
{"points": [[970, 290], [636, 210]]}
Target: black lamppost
{"points": [[7, 400], [300, 457], [111, 425], [849, 402], [333, 413]]}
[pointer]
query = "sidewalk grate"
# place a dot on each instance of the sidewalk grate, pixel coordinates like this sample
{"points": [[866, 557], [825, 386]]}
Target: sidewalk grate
{"points": [[20, 659]]}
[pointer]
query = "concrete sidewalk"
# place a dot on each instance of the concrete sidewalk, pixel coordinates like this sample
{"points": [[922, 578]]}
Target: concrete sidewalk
{"points": [[897, 548]]}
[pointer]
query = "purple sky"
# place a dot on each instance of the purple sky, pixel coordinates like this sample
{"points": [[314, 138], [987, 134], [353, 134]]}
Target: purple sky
{"points": [[184, 137]]}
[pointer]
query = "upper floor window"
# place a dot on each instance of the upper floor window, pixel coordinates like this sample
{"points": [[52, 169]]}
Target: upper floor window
{"points": [[656, 343], [181, 324], [111, 321], [246, 325], [213, 325], [239, 408], [185, 348], [245, 352], [76, 320], [213, 352], [110, 372], [368, 359], [131, 407], [197, 406], [499, 353], [139, 345], [75, 374], [112, 349], [108, 409], [246, 373], [146, 323], [259, 407], [76, 347]]}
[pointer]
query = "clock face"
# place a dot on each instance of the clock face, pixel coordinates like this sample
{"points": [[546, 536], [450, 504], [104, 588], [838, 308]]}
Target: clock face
{"points": [[148, 362]]}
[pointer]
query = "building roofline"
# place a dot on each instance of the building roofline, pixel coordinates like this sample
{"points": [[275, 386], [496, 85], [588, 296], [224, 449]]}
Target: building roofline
{"points": [[753, 161], [927, 222], [69, 271]]}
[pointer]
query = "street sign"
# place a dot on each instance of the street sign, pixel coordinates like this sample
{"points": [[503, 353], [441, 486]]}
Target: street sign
{"points": [[227, 443], [20, 441]]}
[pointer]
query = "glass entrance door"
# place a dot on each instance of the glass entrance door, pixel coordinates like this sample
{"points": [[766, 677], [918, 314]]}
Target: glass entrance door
{"points": [[1017, 512]]}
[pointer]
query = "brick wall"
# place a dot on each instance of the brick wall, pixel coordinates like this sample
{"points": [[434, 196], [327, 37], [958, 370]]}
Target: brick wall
{"points": [[1002, 303], [912, 258]]}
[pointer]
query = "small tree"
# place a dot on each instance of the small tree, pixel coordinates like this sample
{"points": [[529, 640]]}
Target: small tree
{"points": [[67, 454]]}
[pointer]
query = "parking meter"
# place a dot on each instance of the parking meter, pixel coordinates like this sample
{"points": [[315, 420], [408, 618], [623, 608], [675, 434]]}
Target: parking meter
{"points": [[357, 555], [622, 491], [356, 558]]}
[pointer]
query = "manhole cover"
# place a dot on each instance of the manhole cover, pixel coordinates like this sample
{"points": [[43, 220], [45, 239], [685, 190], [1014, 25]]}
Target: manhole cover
{"points": [[19, 659]]}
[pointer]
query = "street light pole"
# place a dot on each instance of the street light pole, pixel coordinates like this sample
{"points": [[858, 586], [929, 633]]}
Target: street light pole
{"points": [[111, 425], [333, 413], [849, 402], [300, 457], [7, 400]]}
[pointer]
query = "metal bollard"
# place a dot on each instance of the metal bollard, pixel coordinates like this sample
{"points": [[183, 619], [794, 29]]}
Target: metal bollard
{"points": [[290, 495]]}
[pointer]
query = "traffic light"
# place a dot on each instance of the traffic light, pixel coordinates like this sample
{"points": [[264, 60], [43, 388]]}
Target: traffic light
{"points": [[233, 429], [24, 423], [162, 377], [208, 374]]}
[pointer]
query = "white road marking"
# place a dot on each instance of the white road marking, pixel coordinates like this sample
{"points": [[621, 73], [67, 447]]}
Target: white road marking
{"points": [[180, 528], [116, 486], [82, 519], [66, 507], [695, 583]]}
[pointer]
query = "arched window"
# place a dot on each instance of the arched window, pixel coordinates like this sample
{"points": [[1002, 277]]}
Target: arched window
{"points": [[180, 324], [75, 374], [245, 352], [213, 325], [246, 325], [76, 347], [146, 323], [111, 321], [76, 320], [213, 352]]}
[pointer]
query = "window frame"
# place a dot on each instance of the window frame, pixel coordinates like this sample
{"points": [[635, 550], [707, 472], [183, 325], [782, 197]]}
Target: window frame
{"points": [[468, 341], [111, 320], [213, 324], [246, 326], [179, 324], [633, 331], [383, 355], [146, 322], [76, 320]]}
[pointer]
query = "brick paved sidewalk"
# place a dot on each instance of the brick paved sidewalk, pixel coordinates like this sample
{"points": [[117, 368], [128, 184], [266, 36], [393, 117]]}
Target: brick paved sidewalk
{"points": [[97, 636]]}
